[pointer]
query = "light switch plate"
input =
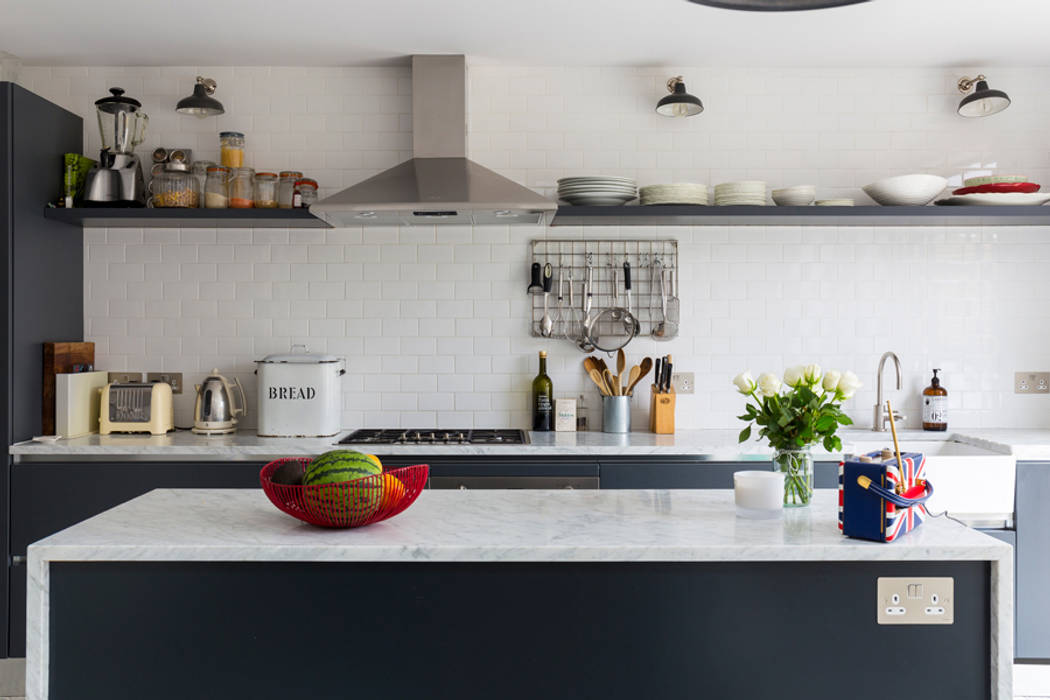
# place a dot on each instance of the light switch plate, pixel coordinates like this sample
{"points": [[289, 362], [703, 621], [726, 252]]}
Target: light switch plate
{"points": [[124, 377], [915, 601], [1032, 382]]}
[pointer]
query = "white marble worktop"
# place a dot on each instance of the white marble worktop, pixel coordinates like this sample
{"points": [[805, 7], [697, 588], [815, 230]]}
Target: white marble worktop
{"points": [[486, 525], [497, 526], [713, 444]]}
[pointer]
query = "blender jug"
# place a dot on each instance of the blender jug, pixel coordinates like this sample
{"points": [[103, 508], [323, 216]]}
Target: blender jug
{"points": [[117, 179]]}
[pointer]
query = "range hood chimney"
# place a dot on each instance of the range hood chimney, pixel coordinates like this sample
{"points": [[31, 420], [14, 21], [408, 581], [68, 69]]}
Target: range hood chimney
{"points": [[439, 185]]}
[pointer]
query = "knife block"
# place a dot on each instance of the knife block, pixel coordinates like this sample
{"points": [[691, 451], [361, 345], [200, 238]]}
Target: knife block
{"points": [[661, 412]]}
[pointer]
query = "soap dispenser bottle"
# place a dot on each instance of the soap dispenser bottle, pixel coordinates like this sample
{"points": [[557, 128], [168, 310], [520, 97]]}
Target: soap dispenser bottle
{"points": [[935, 405]]}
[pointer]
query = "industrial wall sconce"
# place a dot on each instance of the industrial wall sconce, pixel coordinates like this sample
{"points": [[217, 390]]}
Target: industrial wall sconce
{"points": [[201, 103], [679, 103], [984, 101]]}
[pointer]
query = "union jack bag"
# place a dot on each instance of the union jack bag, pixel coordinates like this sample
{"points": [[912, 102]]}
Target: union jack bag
{"points": [[872, 507]]}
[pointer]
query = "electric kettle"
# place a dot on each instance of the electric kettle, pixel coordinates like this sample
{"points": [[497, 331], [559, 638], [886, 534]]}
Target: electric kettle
{"points": [[214, 412]]}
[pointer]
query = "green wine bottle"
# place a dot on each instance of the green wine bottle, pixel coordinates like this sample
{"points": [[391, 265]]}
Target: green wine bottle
{"points": [[542, 398]]}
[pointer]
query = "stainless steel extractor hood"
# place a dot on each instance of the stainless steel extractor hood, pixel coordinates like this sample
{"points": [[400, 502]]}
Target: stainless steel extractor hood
{"points": [[439, 185]]}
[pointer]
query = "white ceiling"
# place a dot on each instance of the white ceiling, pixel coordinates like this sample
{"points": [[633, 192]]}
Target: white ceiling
{"points": [[936, 33]]}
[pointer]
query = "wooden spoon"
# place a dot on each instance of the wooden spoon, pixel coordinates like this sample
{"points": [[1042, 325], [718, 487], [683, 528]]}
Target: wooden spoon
{"points": [[599, 381], [633, 376], [621, 361], [591, 363], [614, 387], [643, 369]]}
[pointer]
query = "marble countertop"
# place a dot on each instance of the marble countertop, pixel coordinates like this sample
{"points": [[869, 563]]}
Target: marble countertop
{"points": [[714, 444], [519, 525]]}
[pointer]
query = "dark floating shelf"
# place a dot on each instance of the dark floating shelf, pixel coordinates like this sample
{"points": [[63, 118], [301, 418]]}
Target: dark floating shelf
{"points": [[185, 218], [692, 215]]}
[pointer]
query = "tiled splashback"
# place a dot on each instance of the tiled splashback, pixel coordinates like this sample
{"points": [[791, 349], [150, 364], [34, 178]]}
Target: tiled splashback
{"points": [[434, 320]]}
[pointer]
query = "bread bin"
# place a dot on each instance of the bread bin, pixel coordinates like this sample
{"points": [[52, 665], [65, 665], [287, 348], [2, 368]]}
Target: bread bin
{"points": [[300, 394]]}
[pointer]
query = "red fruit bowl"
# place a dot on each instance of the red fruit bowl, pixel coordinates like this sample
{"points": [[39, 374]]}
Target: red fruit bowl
{"points": [[353, 503]]}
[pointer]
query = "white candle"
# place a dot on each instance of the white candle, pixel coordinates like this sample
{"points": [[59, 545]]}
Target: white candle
{"points": [[759, 493]]}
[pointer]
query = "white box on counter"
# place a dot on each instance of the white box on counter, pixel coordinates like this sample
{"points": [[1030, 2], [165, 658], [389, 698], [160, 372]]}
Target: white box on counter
{"points": [[565, 415]]}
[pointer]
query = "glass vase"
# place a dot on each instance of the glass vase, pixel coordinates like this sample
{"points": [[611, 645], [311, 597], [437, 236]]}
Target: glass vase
{"points": [[797, 466]]}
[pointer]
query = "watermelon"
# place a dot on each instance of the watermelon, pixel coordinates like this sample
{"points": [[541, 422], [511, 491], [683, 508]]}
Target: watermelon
{"points": [[335, 500]]}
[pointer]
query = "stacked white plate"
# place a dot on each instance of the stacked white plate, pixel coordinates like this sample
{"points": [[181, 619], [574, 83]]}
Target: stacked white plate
{"points": [[597, 191], [746, 192], [678, 193]]}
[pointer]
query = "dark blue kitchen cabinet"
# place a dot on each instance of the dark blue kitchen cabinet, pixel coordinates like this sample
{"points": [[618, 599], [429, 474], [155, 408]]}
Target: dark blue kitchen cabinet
{"points": [[691, 473], [48, 497], [42, 276], [1032, 555]]}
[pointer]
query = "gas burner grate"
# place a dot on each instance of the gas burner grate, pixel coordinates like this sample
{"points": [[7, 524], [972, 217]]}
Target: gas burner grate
{"points": [[435, 436]]}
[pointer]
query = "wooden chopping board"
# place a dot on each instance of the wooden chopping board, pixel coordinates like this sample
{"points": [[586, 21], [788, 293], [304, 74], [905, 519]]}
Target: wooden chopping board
{"points": [[62, 358]]}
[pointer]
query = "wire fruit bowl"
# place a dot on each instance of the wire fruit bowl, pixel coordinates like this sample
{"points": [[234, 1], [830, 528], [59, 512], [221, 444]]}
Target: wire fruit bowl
{"points": [[353, 503]]}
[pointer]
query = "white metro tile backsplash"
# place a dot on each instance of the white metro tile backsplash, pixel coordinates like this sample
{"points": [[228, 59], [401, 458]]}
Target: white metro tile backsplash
{"points": [[434, 321]]}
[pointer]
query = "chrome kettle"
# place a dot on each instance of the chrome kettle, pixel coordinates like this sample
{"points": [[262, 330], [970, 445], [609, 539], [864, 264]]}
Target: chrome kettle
{"points": [[215, 412]]}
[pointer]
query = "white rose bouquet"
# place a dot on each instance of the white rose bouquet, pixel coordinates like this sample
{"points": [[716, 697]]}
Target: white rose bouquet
{"points": [[803, 410]]}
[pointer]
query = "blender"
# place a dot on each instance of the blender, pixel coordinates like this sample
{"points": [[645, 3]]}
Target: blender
{"points": [[117, 179]]}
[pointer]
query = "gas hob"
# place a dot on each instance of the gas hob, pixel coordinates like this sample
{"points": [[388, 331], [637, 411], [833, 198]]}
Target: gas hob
{"points": [[432, 436]]}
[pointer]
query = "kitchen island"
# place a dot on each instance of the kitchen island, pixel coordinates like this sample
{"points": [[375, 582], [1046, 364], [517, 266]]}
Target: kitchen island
{"points": [[511, 594]]}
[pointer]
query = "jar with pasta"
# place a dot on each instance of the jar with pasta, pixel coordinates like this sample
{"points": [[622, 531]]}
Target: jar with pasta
{"points": [[216, 188], [242, 188], [265, 190], [231, 147], [286, 188], [174, 187]]}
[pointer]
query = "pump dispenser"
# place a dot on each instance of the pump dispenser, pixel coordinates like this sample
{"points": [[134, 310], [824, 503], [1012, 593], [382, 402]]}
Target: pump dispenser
{"points": [[935, 405]]}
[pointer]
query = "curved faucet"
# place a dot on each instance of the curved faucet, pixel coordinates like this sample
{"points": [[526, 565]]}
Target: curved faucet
{"points": [[881, 418]]}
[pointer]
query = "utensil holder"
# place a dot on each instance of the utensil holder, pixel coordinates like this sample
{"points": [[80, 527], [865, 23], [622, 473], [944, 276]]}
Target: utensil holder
{"points": [[661, 412], [616, 414]]}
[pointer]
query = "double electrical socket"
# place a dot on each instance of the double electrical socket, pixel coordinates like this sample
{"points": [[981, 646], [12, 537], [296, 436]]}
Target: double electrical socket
{"points": [[683, 382], [172, 378], [1032, 382], [915, 601]]}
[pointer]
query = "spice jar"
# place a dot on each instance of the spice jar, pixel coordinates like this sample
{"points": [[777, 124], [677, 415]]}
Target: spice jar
{"points": [[305, 192], [242, 186], [286, 188], [216, 194], [200, 174], [265, 190], [231, 145], [174, 186]]}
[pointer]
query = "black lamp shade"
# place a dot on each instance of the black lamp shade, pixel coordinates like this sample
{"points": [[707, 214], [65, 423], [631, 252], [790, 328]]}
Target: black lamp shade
{"points": [[200, 104], [776, 5], [983, 101], [679, 103]]}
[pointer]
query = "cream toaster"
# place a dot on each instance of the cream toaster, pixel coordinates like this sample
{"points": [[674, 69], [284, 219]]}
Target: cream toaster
{"points": [[136, 408]]}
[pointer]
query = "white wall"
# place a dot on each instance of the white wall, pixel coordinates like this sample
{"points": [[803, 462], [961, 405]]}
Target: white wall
{"points": [[435, 320]]}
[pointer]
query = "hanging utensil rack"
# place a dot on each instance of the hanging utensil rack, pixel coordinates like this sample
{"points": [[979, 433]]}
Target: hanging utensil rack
{"points": [[607, 258]]}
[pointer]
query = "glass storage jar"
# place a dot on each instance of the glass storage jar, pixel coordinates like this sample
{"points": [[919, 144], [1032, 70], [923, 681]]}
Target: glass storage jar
{"points": [[174, 186], [305, 192], [265, 190], [216, 188], [286, 188], [231, 146], [242, 188], [200, 174]]}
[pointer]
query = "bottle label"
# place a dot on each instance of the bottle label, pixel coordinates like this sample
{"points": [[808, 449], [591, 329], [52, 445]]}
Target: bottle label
{"points": [[934, 409]]}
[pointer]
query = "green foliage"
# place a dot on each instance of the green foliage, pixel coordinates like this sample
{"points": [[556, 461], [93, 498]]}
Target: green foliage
{"points": [[796, 418]]}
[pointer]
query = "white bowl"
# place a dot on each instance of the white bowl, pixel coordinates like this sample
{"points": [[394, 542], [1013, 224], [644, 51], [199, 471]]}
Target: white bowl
{"points": [[906, 190], [834, 203], [798, 196]]}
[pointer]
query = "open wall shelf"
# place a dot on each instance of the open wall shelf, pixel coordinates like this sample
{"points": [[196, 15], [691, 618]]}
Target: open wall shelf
{"points": [[692, 215], [118, 217]]}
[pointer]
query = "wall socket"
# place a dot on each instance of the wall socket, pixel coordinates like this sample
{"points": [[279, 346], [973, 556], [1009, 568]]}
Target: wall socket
{"points": [[683, 382], [124, 377], [915, 601], [172, 378], [1032, 382]]}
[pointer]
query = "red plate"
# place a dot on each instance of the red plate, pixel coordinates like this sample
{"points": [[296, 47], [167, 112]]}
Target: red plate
{"points": [[1026, 187]]}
